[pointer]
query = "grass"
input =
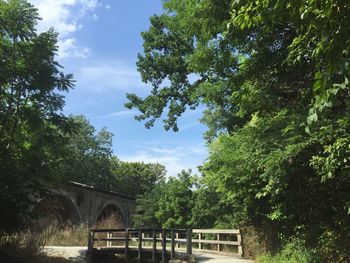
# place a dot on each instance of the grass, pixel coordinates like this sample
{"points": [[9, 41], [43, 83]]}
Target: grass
{"points": [[26, 246], [65, 236]]}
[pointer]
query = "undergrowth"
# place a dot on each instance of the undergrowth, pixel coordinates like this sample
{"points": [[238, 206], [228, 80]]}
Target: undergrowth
{"points": [[293, 252]]}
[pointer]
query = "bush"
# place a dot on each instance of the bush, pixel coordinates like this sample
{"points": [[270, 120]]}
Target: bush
{"points": [[293, 252], [334, 247]]}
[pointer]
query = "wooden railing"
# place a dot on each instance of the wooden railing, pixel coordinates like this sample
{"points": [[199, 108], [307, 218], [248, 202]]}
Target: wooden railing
{"points": [[230, 238], [140, 241]]}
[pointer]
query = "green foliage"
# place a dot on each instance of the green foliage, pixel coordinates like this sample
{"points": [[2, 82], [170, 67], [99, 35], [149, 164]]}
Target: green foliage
{"points": [[333, 246], [86, 155], [168, 205], [293, 252], [175, 203], [147, 207], [136, 178], [31, 125], [39, 146], [274, 77]]}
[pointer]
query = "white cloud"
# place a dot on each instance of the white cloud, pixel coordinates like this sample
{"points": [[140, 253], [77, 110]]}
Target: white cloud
{"points": [[64, 17], [68, 48], [121, 114], [95, 17], [174, 159], [109, 75]]}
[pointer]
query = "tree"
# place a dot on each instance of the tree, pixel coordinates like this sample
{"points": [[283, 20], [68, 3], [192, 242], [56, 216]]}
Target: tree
{"points": [[168, 204], [136, 178], [31, 124], [274, 77], [175, 203], [147, 207], [264, 46], [87, 155]]}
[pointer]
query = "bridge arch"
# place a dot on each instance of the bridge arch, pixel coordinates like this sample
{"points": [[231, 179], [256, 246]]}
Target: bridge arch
{"points": [[112, 212], [56, 209]]}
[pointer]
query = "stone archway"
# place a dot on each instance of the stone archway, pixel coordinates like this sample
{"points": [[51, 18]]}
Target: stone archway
{"points": [[55, 209], [111, 215]]}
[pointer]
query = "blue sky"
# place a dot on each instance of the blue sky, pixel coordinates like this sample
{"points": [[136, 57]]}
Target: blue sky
{"points": [[99, 41]]}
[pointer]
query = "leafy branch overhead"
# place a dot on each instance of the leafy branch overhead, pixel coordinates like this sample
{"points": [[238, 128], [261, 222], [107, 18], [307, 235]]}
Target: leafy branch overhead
{"points": [[273, 77], [212, 51]]}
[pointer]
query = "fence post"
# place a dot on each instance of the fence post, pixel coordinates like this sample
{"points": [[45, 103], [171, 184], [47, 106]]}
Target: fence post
{"points": [[172, 251], [126, 243], [109, 243], [163, 245], [143, 240], [218, 238], [177, 237], [139, 256], [154, 245], [200, 243], [91, 241], [189, 241], [240, 246]]}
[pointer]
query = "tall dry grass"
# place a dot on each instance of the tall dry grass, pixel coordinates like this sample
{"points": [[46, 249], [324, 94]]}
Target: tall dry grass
{"points": [[26, 242], [75, 235], [27, 246], [65, 236]]}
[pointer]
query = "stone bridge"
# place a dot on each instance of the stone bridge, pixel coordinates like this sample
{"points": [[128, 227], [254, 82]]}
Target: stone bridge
{"points": [[76, 203]]}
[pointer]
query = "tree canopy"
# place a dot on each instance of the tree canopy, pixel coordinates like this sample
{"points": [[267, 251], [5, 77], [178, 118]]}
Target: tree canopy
{"points": [[31, 125], [273, 76], [40, 146]]}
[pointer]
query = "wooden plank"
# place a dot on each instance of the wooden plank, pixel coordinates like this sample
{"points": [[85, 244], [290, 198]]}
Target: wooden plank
{"points": [[139, 254], [218, 238], [221, 242], [216, 231], [126, 244], [172, 251], [151, 239], [110, 239], [99, 230], [91, 242], [189, 241], [240, 247], [183, 240], [154, 245], [163, 245]]}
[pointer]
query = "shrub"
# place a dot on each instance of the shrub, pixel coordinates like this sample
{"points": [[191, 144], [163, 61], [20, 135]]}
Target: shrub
{"points": [[293, 252]]}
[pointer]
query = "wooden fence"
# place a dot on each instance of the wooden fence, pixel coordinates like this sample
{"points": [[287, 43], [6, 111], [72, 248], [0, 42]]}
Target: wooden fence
{"points": [[164, 242]]}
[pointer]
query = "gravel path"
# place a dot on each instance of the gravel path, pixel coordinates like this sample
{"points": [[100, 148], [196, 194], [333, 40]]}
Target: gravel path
{"points": [[211, 258], [74, 254]]}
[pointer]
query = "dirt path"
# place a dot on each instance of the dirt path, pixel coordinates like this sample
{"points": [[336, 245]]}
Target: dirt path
{"points": [[74, 254], [211, 258]]}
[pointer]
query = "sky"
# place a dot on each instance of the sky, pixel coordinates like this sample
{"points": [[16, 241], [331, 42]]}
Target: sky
{"points": [[98, 42]]}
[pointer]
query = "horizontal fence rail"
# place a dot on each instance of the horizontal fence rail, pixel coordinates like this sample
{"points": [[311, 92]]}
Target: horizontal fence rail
{"points": [[230, 239], [164, 241]]}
